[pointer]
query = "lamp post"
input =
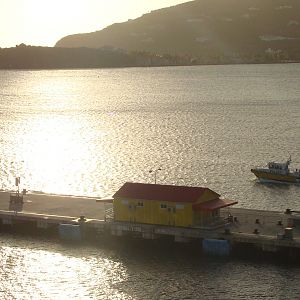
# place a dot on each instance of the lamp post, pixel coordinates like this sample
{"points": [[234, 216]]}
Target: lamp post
{"points": [[17, 183], [155, 172]]}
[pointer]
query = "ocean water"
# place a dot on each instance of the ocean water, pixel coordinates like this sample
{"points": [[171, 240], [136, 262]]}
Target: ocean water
{"points": [[41, 269], [86, 132]]}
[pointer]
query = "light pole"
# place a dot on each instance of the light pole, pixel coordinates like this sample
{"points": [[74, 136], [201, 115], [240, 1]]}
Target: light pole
{"points": [[155, 172]]}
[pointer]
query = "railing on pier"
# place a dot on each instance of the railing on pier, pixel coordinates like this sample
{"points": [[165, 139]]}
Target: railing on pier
{"points": [[109, 214]]}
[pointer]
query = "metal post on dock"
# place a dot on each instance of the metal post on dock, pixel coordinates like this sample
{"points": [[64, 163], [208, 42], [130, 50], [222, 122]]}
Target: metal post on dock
{"points": [[18, 180]]}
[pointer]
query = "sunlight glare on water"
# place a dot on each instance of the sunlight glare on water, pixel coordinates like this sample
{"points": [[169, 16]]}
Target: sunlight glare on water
{"points": [[41, 274], [86, 132], [52, 149]]}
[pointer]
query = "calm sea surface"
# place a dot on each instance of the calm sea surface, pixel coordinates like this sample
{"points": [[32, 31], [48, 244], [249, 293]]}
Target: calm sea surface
{"points": [[86, 132]]}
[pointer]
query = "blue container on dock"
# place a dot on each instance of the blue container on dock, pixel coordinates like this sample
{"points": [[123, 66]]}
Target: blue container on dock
{"points": [[216, 247], [70, 232]]}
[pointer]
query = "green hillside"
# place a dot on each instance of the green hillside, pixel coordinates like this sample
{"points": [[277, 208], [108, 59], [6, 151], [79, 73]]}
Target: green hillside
{"points": [[209, 30]]}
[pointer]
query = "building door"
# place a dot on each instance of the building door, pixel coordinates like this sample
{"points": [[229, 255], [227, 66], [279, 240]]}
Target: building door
{"points": [[131, 213], [171, 216]]}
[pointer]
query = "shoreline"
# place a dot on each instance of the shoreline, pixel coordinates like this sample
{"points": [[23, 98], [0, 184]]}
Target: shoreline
{"points": [[132, 67]]}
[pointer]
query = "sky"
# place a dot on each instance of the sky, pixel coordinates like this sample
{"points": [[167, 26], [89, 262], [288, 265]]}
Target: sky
{"points": [[44, 22]]}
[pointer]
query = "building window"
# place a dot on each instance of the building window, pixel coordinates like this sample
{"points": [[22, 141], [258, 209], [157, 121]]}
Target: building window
{"points": [[140, 204], [163, 205], [179, 206]]}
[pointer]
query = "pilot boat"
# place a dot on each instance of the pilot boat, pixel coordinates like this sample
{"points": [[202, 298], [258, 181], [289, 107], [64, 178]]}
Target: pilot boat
{"points": [[277, 172]]}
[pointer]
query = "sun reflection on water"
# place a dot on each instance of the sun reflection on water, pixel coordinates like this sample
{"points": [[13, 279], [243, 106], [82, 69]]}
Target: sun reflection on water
{"points": [[41, 274], [56, 153], [52, 144]]}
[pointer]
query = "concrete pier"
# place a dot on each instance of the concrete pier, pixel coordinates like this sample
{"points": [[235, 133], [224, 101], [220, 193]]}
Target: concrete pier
{"points": [[57, 205], [269, 231]]}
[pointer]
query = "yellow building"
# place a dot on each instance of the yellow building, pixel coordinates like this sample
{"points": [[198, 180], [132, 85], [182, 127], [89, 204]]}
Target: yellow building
{"points": [[167, 204]]}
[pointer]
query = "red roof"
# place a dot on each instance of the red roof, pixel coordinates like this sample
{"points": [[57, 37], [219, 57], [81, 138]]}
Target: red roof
{"points": [[108, 200], [213, 204], [171, 193]]}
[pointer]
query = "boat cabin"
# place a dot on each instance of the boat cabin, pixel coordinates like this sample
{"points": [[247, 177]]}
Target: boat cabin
{"points": [[278, 166]]}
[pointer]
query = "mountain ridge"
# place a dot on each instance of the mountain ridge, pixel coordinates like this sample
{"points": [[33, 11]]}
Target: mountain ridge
{"points": [[223, 30]]}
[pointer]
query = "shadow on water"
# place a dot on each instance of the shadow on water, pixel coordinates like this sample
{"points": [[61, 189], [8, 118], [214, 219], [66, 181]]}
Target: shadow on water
{"points": [[161, 250], [274, 186]]}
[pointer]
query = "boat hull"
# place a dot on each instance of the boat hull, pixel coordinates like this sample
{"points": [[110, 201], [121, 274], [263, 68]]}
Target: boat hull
{"points": [[271, 177]]}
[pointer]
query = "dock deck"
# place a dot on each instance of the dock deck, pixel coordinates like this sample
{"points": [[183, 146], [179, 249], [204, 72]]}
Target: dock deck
{"points": [[265, 229], [56, 205]]}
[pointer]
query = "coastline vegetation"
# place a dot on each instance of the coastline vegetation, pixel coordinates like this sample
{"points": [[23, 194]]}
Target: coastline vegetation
{"points": [[34, 57]]}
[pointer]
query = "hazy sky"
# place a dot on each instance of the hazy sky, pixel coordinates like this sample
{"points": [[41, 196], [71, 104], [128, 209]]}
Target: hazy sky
{"points": [[44, 22]]}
